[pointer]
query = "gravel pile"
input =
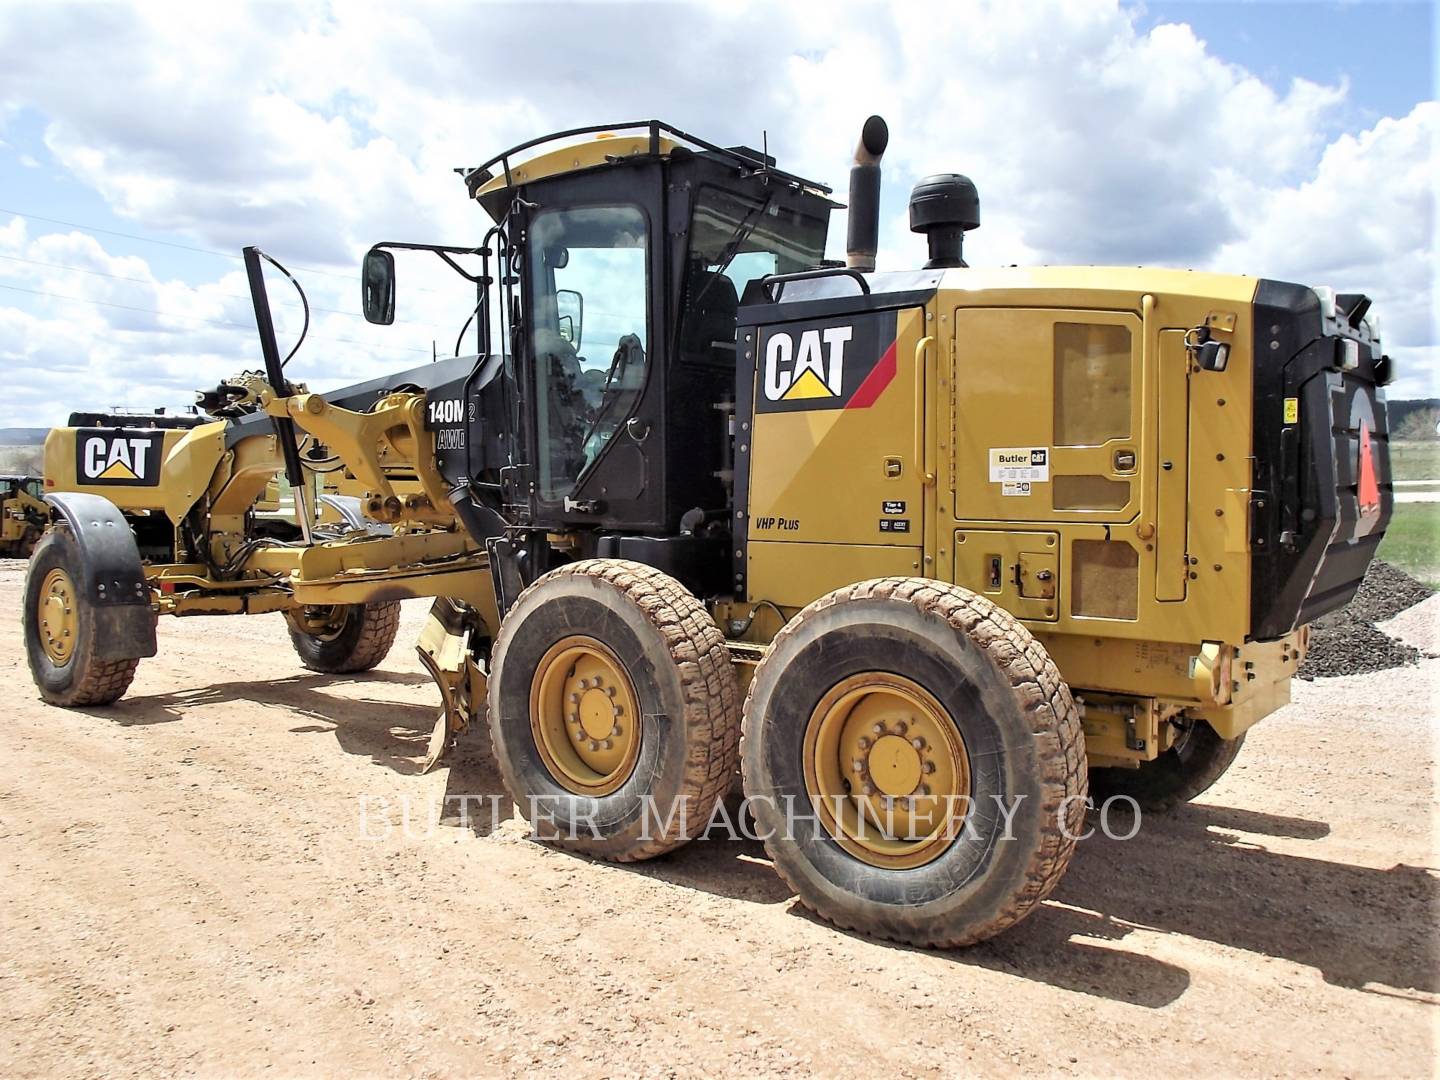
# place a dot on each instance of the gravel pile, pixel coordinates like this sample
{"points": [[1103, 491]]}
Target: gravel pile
{"points": [[1346, 642]]}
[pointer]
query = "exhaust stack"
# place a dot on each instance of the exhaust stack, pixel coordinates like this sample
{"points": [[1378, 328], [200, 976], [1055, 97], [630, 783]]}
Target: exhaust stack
{"points": [[862, 231]]}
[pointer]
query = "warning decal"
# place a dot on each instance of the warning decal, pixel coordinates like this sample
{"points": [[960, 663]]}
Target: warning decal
{"points": [[1013, 464]]}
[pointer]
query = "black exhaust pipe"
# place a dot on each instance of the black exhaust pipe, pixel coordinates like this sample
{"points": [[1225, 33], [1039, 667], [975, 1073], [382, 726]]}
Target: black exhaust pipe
{"points": [[862, 231]]}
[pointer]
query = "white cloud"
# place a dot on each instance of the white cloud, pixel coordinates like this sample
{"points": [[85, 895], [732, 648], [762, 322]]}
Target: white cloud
{"points": [[1363, 222], [315, 130]]}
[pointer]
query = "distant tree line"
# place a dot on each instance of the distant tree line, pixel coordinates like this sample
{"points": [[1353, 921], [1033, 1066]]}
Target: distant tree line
{"points": [[1415, 419]]}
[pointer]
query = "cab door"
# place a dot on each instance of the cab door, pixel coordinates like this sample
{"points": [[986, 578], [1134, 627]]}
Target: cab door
{"points": [[594, 351]]}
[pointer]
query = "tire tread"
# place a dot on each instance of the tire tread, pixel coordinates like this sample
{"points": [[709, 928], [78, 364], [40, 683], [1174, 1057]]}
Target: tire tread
{"points": [[379, 624], [711, 695], [102, 682], [1046, 700]]}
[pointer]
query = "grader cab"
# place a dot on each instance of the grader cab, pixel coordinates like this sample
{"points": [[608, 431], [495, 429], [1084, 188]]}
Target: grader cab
{"points": [[970, 544]]}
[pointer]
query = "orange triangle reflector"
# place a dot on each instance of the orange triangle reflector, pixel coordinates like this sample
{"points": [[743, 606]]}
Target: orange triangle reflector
{"points": [[1368, 489]]}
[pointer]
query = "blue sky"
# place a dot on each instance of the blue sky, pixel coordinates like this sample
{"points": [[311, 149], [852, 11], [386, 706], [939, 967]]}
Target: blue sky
{"points": [[1284, 139], [1385, 51]]}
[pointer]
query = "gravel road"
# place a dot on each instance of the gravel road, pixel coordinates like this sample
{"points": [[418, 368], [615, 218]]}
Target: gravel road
{"points": [[215, 877]]}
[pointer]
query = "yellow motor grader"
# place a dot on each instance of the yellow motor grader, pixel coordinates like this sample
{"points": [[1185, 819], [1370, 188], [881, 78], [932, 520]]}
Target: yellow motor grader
{"points": [[23, 515], [932, 555]]}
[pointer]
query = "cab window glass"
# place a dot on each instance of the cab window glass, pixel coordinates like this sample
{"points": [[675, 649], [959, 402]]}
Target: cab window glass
{"points": [[588, 314], [735, 239]]}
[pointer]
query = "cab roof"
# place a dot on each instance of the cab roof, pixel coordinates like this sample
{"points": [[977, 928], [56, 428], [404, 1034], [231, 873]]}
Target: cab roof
{"points": [[606, 144]]}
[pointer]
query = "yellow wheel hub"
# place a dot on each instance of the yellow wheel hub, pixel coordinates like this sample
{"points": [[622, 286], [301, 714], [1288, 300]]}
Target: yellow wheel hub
{"points": [[323, 622], [59, 622], [887, 770], [584, 717]]}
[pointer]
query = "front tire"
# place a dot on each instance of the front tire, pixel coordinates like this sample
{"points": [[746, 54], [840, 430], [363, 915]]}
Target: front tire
{"points": [[889, 732], [60, 629], [614, 710], [344, 638], [1198, 758]]}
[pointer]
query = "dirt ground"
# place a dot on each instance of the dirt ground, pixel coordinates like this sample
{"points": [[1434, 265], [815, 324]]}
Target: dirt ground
{"points": [[215, 877]]}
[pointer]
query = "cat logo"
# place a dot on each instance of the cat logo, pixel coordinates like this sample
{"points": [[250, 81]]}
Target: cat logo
{"points": [[118, 457], [812, 368], [816, 365]]}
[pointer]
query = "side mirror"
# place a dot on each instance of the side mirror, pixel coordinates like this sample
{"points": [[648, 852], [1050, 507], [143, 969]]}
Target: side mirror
{"points": [[570, 315], [377, 287]]}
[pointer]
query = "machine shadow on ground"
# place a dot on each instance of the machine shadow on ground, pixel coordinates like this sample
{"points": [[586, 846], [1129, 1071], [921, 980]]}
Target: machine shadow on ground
{"points": [[1203, 871], [391, 733], [1189, 873]]}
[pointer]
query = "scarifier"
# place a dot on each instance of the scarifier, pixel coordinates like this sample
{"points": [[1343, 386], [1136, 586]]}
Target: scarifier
{"points": [[930, 555]]}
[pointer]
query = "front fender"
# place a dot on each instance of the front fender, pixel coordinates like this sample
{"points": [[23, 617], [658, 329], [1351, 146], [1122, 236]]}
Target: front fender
{"points": [[112, 578]]}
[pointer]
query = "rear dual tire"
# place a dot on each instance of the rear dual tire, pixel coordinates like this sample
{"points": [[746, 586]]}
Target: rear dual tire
{"points": [[998, 731], [594, 645], [1198, 758], [614, 710]]}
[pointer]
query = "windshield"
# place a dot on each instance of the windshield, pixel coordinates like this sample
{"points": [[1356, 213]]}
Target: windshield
{"points": [[735, 239]]}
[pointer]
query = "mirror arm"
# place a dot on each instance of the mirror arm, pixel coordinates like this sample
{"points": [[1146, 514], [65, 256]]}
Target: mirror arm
{"points": [[444, 252]]}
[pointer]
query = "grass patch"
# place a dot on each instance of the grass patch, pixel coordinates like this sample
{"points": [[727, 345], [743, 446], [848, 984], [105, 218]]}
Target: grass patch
{"points": [[1415, 459], [1413, 541]]}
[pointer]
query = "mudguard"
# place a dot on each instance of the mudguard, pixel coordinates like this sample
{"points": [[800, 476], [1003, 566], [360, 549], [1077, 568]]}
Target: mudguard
{"points": [[112, 577]]}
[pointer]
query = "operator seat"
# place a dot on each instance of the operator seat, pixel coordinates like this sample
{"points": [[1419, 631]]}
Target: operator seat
{"points": [[711, 307]]}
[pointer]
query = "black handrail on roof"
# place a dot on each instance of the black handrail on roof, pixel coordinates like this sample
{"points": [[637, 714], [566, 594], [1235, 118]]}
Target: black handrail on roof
{"points": [[654, 127]]}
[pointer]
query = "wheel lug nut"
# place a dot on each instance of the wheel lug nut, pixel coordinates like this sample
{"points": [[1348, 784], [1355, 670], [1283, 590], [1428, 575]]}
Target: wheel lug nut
{"points": [[575, 698], [901, 727], [610, 690], [925, 790], [574, 718], [868, 789], [857, 766], [918, 743], [864, 742], [618, 711], [929, 768], [615, 731], [594, 745], [878, 729], [606, 744], [579, 735]]}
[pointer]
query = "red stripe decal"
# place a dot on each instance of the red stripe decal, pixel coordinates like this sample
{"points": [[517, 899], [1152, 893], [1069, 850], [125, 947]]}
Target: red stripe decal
{"points": [[869, 391]]}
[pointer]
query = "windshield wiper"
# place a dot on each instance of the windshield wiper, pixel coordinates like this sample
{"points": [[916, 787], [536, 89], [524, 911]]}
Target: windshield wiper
{"points": [[727, 256]]}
